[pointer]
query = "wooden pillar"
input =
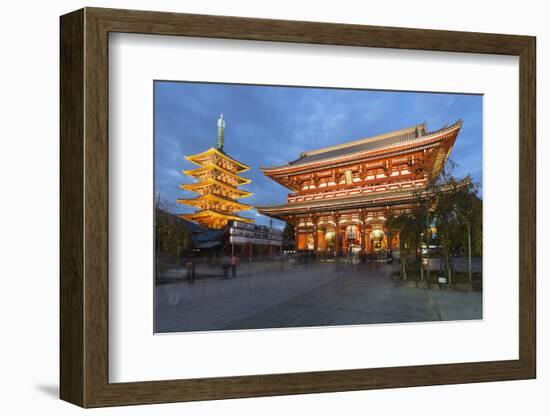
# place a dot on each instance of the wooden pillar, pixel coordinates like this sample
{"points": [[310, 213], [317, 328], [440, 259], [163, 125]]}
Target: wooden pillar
{"points": [[315, 236], [363, 234], [344, 241], [296, 236], [322, 243], [337, 235]]}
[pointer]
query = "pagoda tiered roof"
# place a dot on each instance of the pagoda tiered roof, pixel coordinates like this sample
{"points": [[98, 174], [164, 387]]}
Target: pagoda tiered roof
{"points": [[212, 201], [214, 219], [219, 158], [217, 172], [212, 185]]}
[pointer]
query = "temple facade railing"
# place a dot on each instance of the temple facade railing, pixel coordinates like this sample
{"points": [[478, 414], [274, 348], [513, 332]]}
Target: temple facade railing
{"points": [[300, 197]]}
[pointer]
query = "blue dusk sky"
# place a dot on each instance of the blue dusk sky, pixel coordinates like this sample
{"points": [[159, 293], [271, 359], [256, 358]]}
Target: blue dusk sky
{"points": [[272, 125]]}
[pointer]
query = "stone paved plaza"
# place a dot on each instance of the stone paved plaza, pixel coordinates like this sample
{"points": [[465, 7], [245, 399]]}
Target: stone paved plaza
{"points": [[288, 294]]}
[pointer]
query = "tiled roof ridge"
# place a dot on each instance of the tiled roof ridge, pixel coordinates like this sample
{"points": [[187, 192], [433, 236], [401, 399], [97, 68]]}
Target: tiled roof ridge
{"points": [[369, 139], [403, 133]]}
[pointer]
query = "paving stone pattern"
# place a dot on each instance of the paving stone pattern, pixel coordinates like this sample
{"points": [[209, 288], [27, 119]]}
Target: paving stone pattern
{"points": [[296, 295]]}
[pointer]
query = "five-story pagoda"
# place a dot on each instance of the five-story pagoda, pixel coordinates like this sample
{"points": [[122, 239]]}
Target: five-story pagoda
{"points": [[218, 183]]}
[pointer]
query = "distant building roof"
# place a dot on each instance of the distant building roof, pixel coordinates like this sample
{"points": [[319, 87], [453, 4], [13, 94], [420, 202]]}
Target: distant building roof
{"points": [[208, 235], [209, 244], [192, 226]]}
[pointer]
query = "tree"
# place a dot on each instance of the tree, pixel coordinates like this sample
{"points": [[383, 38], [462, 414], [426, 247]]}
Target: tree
{"points": [[477, 226], [457, 216], [414, 231], [405, 224], [171, 234], [289, 241], [469, 214], [456, 211], [445, 222]]}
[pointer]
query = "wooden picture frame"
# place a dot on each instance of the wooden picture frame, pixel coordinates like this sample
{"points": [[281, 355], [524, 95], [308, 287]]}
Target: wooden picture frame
{"points": [[84, 207]]}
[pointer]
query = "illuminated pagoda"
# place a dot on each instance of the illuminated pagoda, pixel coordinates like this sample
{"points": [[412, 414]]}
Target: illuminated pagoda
{"points": [[342, 195], [217, 186]]}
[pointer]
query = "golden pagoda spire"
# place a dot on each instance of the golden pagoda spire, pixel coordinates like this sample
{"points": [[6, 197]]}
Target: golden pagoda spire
{"points": [[221, 128], [217, 186]]}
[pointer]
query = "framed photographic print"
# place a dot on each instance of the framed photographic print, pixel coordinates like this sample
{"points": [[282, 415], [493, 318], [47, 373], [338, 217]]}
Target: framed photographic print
{"points": [[255, 207]]}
